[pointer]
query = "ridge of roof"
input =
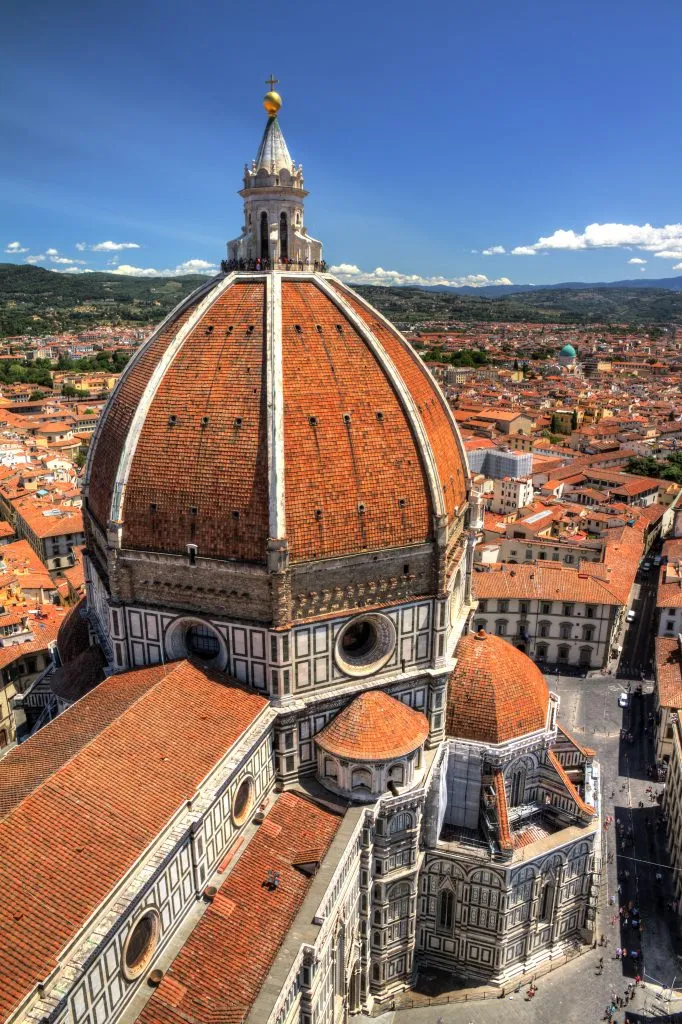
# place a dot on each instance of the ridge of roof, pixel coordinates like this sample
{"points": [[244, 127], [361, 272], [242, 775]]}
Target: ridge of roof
{"points": [[37, 761], [587, 751], [572, 791], [505, 836]]}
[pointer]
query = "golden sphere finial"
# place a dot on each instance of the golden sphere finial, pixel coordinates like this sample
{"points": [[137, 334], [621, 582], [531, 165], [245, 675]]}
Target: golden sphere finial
{"points": [[272, 100]]}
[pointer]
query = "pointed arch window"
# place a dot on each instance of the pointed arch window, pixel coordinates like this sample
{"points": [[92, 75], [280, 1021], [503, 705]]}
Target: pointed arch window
{"points": [[283, 237], [264, 239], [518, 785], [446, 903], [547, 901]]}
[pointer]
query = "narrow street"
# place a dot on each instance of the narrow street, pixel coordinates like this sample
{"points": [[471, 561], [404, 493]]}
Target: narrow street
{"points": [[637, 654]]}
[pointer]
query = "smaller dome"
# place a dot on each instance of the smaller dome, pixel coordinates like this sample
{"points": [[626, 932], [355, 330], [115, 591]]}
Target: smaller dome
{"points": [[374, 727], [568, 352], [496, 693]]}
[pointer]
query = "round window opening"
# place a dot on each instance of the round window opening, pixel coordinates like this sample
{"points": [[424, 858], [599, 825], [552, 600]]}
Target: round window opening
{"points": [[140, 945], [243, 801], [365, 644], [358, 638], [202, 643]]}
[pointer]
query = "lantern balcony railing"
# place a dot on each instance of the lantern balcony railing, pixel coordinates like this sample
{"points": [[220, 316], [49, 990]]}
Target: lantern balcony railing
{"points": [[261, 266]]}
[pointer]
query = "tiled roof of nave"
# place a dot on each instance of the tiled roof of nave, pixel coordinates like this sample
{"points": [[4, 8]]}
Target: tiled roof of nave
{"points": [[81, 804]]}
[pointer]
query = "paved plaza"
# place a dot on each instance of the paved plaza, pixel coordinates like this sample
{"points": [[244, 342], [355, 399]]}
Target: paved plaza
{"points": [[577, 993]]}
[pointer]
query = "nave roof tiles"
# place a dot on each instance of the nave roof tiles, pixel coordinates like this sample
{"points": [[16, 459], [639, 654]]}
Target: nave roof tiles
{"points": [[79, 802], [221, 968]]}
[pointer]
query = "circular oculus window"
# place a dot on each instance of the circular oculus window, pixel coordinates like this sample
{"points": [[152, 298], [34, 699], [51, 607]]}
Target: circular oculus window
{"points": [[365, 644], [197, 639], [140, 945], [243, 801], [202, 643]]}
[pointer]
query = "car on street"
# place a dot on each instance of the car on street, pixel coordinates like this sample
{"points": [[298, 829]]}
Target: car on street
{"points": [[646, 566], [623, 700], [657, 561], [631, 615]]}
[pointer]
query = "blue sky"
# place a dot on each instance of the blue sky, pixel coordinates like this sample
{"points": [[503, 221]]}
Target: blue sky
{"points": [[430, 134]]}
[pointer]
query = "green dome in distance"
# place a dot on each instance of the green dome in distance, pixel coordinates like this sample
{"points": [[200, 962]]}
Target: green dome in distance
{"points": [[568, 351]]}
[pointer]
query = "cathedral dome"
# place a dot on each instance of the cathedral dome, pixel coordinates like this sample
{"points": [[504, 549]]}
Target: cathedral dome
{"points": [[275, 407], [568, 352], [496, 692]]}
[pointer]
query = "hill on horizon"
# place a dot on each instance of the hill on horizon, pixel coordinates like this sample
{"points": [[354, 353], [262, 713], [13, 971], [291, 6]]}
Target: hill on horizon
{"points": [[672, 284], [37, 301]]}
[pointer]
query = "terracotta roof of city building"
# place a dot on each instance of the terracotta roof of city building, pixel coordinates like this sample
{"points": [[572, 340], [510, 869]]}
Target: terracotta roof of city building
{"points": [[669, 671], [549, 582], [496, 693], [360, 451], [374, 727]]}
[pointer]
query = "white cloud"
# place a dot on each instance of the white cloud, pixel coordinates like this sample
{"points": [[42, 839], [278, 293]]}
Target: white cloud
{"points": [[494, 250], [14, 248], [354, 275], [36, 259], [75, 270], [678, 266], [112, 246], [65, 260], [636, 259], [81, 246], [665, 241], [643, 270], [195, 267], [127, 271], [188, 267], [52, 252]]}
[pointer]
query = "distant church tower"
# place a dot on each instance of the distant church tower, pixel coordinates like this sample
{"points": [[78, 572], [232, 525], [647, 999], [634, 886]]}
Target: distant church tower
{"points": [[273, 196]]}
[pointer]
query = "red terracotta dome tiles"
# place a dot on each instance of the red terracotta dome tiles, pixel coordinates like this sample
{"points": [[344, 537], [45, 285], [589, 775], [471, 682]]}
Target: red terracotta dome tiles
{"points": [[118, 417], [424, 392], [204, 479], [374, 727], [354, 476], [496, 693], [350, 484]]}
